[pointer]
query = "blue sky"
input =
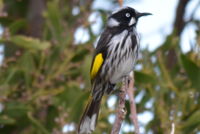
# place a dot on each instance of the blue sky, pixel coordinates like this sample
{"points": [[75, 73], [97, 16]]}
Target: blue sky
{"points": [[152, 29]]}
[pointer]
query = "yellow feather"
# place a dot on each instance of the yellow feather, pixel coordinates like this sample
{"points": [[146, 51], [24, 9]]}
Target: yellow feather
{"points": [[96, 65]]}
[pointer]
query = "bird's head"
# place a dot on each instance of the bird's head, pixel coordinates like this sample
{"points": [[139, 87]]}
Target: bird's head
{"points": [[125, 17]]}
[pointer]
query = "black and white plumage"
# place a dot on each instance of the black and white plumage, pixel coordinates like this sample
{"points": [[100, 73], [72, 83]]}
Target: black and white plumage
{"points": [[114, 58]]}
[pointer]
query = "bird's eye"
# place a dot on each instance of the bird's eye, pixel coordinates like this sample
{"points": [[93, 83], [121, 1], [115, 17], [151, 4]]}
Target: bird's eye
{"points": [[128, 15]]}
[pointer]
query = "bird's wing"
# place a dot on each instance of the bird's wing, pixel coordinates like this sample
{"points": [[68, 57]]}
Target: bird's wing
{"points": [[100, 54], [96, 65]]}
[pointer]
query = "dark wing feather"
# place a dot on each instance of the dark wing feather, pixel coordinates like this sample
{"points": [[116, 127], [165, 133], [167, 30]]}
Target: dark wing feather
{"points": [[102, 47]]}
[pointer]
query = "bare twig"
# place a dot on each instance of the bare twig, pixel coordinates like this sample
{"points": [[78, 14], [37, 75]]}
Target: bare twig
{"points": [[133, 115], [193, 12], [121, 112], [179, 21], [173, 128], [179, 24]]}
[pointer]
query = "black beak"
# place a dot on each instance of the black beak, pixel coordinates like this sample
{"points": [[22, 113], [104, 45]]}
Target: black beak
{"points": [[142, 14]]}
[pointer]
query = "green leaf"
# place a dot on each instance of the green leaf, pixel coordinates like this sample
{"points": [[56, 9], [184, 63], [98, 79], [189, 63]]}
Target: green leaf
{"points": [[17, 25], [43, 92], [6, 120], [191, 123], [10, 75], [5, 21], [80, 55], [78, 106], [53, 17], [37, 124], [15, 109], [85, 70], [50, 123], [26, 68], [192, 70], [29, 43], [144, 78]]}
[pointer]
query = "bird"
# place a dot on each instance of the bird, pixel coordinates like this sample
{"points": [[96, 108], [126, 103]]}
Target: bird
{"points": [[114, 58]]}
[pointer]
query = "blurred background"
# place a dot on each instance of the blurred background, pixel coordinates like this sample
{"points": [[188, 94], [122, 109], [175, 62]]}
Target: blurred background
{"points": [[46, 51]]}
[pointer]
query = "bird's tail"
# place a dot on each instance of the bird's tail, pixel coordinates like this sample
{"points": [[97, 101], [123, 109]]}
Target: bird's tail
{"points": [[90, 116]]}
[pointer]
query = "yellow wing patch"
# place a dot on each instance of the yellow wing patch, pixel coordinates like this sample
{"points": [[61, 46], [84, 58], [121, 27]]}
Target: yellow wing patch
{"points": [[96, 65]]}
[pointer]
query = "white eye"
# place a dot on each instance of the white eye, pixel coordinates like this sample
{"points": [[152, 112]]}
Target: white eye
{"points": [[128, 15]]}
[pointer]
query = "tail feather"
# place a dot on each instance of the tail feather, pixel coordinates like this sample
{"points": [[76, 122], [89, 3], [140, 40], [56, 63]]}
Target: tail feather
{"points": [[90, 116]]}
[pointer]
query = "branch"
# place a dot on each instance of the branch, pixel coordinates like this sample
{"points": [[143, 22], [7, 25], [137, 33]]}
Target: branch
{"points": [[179, 24], [35, 17], [121, 107], [133, 115], [179, 21], [127, 88]]}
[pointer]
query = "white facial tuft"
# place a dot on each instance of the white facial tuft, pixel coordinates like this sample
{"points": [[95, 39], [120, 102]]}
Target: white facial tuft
{"points": [[112, 22], [132, 21]]}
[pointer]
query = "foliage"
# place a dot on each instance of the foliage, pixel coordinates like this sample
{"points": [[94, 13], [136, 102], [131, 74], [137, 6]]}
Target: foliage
{"points": [[44, 79]]}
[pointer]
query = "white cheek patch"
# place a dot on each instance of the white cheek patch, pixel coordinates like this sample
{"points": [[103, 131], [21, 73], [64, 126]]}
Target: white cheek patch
{"points": [[113, 22], [132, 21]]}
